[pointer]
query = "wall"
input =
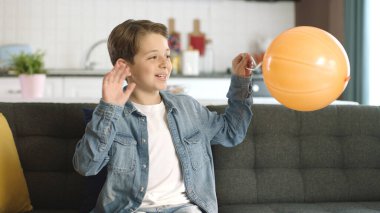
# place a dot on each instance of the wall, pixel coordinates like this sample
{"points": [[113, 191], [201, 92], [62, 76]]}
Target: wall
{"points": [[325, 14], [65, 29]]}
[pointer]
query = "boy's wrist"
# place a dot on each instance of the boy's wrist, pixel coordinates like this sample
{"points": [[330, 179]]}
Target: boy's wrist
{"points": [[108, 110], [241, 80], [240, 88]]}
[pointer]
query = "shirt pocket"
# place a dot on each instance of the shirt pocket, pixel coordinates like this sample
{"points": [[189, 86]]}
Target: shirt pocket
{"points": [[196, 150], [124, 153]]}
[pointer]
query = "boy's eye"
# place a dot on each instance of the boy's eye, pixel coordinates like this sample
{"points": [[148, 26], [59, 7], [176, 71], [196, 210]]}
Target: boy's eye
{"points": [[168, 56], [153, 57]]}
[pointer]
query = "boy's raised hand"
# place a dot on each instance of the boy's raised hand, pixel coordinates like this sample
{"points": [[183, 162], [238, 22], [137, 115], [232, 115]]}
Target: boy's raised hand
{"points": [[113, 81], [242, 64]]}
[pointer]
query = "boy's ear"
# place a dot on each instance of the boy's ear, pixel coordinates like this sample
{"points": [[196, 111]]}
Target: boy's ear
{"points": [[127, 65]]}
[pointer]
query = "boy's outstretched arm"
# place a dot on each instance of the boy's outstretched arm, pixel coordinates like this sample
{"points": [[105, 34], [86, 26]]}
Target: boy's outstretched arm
{"points": [[229, 129]]}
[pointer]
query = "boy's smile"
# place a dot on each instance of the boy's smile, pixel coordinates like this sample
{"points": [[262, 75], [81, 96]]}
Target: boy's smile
{"points": [[162, 77]]}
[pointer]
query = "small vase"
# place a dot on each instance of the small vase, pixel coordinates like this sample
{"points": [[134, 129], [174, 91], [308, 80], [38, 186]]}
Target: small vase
{"points": [[32, 86]]}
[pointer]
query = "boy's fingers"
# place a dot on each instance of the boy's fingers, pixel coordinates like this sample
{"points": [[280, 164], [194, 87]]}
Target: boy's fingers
{"points": [[107, 77], [110, 76], [129, 90], [248, 61], [124, 74], [238, 59], [117, 71], [247, 72], [242, 62]]}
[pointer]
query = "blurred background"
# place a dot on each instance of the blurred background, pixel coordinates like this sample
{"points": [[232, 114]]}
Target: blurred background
{"points": [[67, 30]]}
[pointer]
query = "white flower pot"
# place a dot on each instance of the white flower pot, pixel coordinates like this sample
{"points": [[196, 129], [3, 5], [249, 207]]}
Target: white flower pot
{"points": [[32, 86]]}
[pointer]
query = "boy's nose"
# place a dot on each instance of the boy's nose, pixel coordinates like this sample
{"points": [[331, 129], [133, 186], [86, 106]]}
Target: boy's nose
{"points": [[164, 62]]}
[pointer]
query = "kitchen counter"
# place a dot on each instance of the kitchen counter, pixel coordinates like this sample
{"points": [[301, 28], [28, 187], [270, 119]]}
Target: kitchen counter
{"points": [[97, 73], [68, 85], [79, 85]]}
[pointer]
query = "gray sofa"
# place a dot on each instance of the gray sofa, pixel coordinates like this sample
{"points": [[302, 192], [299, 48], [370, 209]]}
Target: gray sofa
{"points": [[309, 162]]}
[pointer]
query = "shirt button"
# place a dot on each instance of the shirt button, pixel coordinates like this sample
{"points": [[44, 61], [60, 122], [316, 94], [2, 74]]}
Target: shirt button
{"points": [[143, 140], [142, 189], [144, 166]]}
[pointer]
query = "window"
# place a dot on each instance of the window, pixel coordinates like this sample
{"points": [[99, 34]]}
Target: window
{"points": [[373, 47]]}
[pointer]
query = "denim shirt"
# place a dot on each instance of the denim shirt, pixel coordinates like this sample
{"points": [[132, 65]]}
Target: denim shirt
{"points": [[117, 137]]}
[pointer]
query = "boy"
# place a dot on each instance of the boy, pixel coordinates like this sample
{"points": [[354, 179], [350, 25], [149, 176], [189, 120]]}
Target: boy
{"points": [[156, 145]]}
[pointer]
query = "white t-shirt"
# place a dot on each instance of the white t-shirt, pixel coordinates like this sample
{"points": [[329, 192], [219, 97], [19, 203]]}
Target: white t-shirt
{"points": [[165, 181]]}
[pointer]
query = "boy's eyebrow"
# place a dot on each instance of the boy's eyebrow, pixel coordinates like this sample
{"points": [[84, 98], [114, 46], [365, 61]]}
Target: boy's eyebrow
{"points": [[154, 51]]}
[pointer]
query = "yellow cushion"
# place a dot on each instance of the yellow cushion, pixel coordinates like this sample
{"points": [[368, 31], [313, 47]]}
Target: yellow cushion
{"points": [[14, 195]]}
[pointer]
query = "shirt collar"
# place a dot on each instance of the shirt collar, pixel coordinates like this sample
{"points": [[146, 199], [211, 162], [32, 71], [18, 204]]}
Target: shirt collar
{"points": [[167, 98]]}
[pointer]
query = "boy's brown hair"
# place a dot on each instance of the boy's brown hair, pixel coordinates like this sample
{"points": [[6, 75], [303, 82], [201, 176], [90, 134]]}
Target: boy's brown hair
{"points": [[124, 40]]}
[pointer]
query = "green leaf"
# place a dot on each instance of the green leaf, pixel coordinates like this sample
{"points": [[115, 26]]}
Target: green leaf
{"points": [[28, 63]]}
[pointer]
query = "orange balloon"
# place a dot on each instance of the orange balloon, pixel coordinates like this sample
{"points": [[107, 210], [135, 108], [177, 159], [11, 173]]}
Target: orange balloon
{"points": [[306, 68]]}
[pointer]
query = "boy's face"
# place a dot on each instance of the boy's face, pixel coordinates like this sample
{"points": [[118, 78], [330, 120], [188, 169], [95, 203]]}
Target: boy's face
{"points": [[152, 65]]}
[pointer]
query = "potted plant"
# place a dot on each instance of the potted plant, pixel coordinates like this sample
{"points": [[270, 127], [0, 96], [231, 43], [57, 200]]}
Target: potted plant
{"points": [[30, 69]]}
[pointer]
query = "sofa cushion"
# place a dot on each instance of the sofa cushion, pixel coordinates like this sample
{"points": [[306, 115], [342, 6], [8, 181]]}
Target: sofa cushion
{"points": [[14, 195], [330, 207], [329, 155]]}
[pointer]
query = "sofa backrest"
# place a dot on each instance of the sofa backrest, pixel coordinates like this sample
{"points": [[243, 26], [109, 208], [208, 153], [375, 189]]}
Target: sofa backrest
{"points": [[45, 136], [327, 155]]}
